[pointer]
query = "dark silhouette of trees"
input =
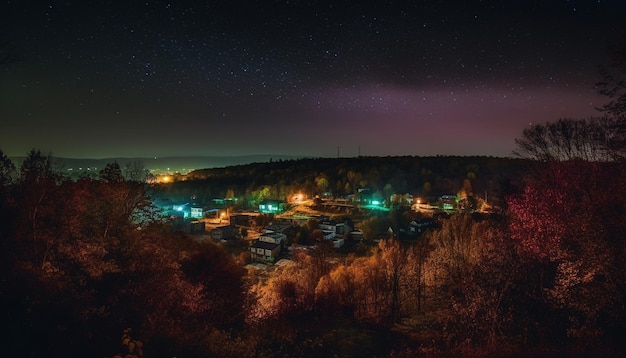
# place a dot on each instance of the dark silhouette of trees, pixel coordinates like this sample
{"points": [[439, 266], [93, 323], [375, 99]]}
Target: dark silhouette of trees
{"points": [[614, 88], [111, 173], [221, 279], [135, 171], [589, 139], [7, 171]]}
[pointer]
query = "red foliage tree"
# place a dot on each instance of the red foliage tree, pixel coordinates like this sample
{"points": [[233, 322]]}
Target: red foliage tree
{"points": [[569, 220]]}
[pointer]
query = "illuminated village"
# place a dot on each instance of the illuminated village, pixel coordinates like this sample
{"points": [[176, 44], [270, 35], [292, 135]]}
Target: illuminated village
{"points": [[303, 179]]}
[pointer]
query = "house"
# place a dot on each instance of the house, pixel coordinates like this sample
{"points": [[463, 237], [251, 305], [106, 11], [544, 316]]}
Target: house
{"points": [[194, 227], [224, 232], [267, 247], [278, 227], [356, 235], [271, 206], [265, 251], [276, 238], [335, 231], [332, 229], [180, 210], [224, 202], [337, 243], [417, 227], [199, 211], [448, 202], [241, 220]]}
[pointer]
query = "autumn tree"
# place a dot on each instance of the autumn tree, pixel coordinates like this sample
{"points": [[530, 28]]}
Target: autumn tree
{"points": [[374, 227], [369, 289], [569, 226], [335, 292], [322, 184], [394, 261], [37, 192], [417, 255], [222, 282], [455, 248], [89, 267], [371, 298], [353, 181]]}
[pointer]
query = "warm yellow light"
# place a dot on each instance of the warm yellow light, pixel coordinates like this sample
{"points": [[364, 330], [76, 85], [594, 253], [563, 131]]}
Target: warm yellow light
{"points": [[164, 178]]}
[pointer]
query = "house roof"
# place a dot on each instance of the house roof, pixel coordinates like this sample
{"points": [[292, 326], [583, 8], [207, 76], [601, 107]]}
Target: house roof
{"points": [[264, 245], [278, 227], [271, 201], [275, 235]]}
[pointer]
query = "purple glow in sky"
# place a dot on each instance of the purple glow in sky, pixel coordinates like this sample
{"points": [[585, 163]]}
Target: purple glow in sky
{"points": [[159, 78]]}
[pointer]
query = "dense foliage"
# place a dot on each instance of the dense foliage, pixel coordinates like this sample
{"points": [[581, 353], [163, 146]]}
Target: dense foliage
{"points": [[84, 260], [90, 269], [431, 177]]}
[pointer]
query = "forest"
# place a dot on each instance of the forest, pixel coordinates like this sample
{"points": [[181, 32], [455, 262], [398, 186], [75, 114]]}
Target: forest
{"points": [[428, 177], [90, 267]]}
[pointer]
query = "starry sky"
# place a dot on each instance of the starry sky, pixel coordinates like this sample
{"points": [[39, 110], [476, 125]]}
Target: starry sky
{"points": [[102, 79]]}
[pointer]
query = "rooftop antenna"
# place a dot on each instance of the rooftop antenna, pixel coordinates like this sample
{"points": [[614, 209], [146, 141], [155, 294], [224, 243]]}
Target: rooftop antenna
{"points": [[338, 150]]}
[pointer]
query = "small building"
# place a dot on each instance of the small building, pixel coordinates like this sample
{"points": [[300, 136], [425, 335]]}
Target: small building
{"points": [[420, 225], [332, 229], [278, 227], [180, 210], [241, 220], [267, 247], [356, 235], [448, 202], [194, 227], [274, 237], [224, 232], [338, 243], [417, 227], [271, 206], [264, 251], [199, 211], [224, 202]]}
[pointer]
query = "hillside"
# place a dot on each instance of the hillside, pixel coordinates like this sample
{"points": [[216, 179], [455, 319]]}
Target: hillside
{"points": [[424, 176]]}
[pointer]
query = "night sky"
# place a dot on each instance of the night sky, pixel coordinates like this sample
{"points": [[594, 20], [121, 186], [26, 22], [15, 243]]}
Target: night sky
{"points": [[100, 79]]}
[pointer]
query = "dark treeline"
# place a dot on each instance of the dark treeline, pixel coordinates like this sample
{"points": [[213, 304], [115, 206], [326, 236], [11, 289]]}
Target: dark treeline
{"points": [[86, 262], [428, 177]]}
